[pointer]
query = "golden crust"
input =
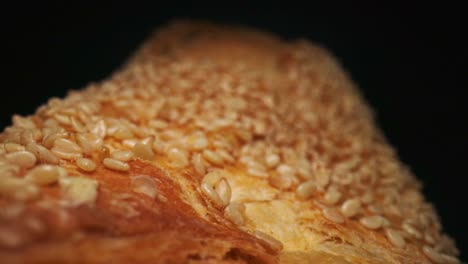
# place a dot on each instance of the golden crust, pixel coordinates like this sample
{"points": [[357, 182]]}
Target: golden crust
{"points": [[284, 127]]}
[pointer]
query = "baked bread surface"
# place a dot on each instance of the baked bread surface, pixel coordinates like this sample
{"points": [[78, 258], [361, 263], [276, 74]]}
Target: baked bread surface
{"points": [[213, 144]]}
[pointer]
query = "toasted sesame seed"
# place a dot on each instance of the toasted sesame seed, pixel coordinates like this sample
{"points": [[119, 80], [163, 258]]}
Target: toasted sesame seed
{"points": [[449, 259], [372, 222], [99, 129], [76, 125], [13, 147], [65, 155], [22, 158], [66, 145], [144, 184], [143, 151], [333, 215], [411, 230], [224, 191], [49, 140], [18, 188], [199, 143], [198, 165], [79, 190], [122, 155], [285, 170], [44, 174], [42, 153], [332, 196], [272, 160], [270, 241], [212, 157], [281, 182], [225, 155], [86, 164], [395, 238], [256, 172], [62, 119], [305, 189], [89, 142], [122, 132], [433, 255], [429, 238], [367, 197], [234, 212], [212, 194], [114, 164], [351, 207], [178, 157]]}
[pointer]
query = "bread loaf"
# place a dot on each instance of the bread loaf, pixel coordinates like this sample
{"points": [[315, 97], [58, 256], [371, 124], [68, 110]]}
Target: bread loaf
{"points": [[212, 144]]}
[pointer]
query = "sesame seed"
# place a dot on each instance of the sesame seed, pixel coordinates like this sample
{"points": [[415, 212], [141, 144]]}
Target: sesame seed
{"points": [[89, 142], [272, 160], [42, 154], [62, 119], [122, 132], [22, 158], [257, 173], [270, 241], [285, 170], [449, 259], [143, 151], [49, 140], [65, 155], [395, 238], [13, 147], [429, 238], [412, 231], [333, 215], [65, 145], [79, 190], [44, 174], [198, 165], [305, 189], [350, 207], [99, 129], [372, 222], [178, 157], [433, 255], [224, 191], [212, 157], [212, 194], [281, 182], [199, 143], [114, 164], [77, 125], [332, 196], [234, 212], [86, 164], [367, 197], [225, 155], [18, 188], [122, 155], [144, 184]]}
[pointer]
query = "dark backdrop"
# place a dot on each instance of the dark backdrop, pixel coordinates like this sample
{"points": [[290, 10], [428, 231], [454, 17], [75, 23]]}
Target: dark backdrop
{"points": [[410, 62]]}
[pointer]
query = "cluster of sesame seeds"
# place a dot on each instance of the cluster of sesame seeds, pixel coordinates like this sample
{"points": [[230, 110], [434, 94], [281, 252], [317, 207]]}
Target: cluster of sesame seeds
{"points": [[206, 117]]}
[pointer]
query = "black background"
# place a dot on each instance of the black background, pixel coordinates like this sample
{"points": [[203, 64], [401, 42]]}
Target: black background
{"points": [[409, 60]]}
